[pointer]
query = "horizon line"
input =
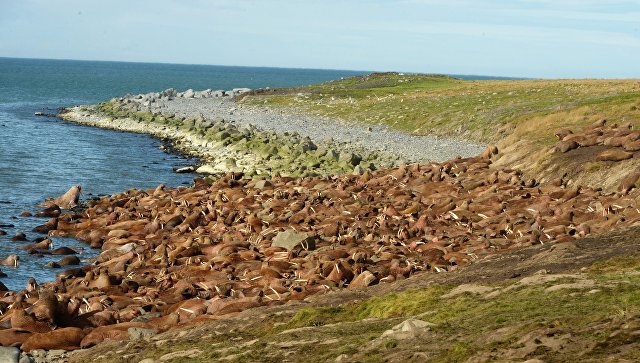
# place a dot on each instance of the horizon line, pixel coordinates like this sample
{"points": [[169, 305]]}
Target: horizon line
{"points": [[454, 75]]}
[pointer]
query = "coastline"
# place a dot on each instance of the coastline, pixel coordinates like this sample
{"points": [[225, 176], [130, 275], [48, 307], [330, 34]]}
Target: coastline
{"points": [[261, 141], [174, 257]]}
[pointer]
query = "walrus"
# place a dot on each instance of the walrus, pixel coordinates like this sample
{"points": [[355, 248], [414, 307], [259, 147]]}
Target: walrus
{"points": [[11, 260], [63, 338], [66, 201], [13, 337]]}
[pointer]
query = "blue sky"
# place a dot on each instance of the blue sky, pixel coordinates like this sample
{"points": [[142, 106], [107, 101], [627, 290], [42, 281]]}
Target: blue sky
{"points": [[528, 38]]}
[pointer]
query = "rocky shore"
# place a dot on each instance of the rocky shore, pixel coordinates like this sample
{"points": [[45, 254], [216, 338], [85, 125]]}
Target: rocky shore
{"points": [[259, 141], [290, 216], [175, 257]]}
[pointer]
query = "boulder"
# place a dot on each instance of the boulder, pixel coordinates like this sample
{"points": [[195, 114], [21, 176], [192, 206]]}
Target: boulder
{"points": [[188, 93], [186, 169], [308, 145], [9, 354], [206, 169], [291, 239], [226, 165], [350, 158], [261, 184], [137, 333], [408, 329], [168, 93]]}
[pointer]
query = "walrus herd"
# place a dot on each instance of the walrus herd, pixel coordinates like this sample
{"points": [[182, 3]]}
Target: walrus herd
{"points": [[176, 256]]}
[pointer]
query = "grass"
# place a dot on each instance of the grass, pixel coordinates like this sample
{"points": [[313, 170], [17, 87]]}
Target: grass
{"points": [[480, 110]]}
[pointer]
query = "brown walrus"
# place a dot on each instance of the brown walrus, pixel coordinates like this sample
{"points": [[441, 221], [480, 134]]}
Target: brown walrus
{"points": [[110, 332], [11, 260], [66, 201], [63, 338], [13, 337]]}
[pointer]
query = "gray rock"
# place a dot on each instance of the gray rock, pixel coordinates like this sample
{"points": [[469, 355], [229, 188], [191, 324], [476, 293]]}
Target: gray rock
{"points": [[350, 158], [171, 92], [192, 353], [186, 169], [9, 354], [261, 184], [291, 239], [308, 145], [188, 93], [239, 91], [226, 165], [408, 329], [206, 169], [136, 333], [25, 359]]}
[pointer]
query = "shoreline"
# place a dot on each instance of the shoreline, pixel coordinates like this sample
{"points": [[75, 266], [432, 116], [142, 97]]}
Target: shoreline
{"points": [[173, 257], [263, 142]]}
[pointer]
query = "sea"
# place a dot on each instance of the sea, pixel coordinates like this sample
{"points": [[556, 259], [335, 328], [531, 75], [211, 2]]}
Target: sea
{"points": [[42, 157]]}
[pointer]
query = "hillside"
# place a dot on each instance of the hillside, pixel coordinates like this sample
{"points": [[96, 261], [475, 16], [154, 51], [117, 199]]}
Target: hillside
{"points": [[520, 116]]}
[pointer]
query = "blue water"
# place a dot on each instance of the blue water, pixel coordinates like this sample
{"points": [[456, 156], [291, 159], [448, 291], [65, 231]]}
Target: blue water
{"points": [[43, 157]]}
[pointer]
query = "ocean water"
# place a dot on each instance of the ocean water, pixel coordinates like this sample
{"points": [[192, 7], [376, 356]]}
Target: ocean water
{"points": [[43, 157]]}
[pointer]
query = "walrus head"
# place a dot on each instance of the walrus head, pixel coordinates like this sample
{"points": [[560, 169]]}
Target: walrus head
{"points": [[11, 260]]}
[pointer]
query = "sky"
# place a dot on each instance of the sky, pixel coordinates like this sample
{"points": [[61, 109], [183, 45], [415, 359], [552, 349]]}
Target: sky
{"points": [[517, 38]]}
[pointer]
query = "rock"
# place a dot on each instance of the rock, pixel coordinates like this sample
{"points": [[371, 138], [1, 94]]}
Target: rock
{"points": [[25, 359], [136, 333], [226, 165], [206, 169], [261, 184], [169, 93], [290, 239], [3, 232], [357, 170], [186, 169], [192, 353], [188, 93], [408, 329], [350, 158], [39, 113], [9, 354], [308, 145], [238, 91], [614, 155]]}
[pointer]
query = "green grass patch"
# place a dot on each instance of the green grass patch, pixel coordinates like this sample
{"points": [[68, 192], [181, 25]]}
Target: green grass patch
{"points": [[480, 110]]}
